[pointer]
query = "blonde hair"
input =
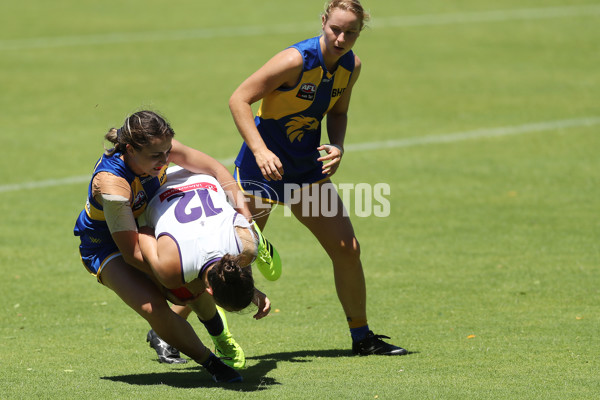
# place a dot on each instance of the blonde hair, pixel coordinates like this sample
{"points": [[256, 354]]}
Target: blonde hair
{"points": [[353, 6]]}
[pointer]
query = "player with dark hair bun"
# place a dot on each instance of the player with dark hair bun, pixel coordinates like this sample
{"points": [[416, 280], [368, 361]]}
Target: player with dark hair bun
{"points": [[200, 250]]}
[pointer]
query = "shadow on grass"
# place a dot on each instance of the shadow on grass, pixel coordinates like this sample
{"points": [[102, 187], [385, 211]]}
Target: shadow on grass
{"points": [[255, 378]]}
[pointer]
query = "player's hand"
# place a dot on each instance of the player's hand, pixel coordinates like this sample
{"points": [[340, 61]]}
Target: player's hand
{"points": [[262, 302], [269, 164], [334, 156]]}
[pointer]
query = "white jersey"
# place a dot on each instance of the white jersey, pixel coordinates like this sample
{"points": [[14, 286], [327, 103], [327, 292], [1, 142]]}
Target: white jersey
{"points": [[193, 210]]}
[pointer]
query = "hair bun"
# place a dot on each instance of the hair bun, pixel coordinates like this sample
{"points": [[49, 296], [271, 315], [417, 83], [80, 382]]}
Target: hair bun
{"points": [[230, 269], [232, 285]]}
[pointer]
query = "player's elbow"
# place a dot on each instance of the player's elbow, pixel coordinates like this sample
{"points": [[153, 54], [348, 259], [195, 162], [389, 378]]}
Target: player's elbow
{"points": [[237, 102], [337, 116], [234, 108], [233, 101]]}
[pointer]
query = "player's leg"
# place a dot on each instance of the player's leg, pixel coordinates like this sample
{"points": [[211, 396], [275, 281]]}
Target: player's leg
{"points": [[213, 318], [267, 259], [183, 311], [260, 201], [165, 352], [260, 210], [144, 297], [336, 234]]}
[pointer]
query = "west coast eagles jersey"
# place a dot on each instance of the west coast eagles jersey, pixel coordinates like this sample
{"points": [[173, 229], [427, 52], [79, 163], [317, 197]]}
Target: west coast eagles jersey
{"points": [[289, 119], [91, 222], [193, 210]]}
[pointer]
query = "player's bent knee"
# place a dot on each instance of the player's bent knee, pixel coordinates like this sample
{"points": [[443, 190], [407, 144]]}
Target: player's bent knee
{"points": [[153, 310], [348, 251]]}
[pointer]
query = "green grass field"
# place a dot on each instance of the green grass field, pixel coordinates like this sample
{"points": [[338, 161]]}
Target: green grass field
{"points": [[483, 118]]}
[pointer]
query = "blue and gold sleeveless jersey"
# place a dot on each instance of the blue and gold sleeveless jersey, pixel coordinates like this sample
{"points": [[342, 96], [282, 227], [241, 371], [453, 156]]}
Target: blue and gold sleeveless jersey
{"points": [[91, 225], [289, 119]]}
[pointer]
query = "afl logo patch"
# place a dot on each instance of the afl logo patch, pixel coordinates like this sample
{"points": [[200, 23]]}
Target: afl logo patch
{"points": [[307, 91], [139, 201]]}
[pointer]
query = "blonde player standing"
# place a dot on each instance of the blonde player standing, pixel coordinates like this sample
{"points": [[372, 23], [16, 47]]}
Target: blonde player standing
{"points": [[297, 88]]}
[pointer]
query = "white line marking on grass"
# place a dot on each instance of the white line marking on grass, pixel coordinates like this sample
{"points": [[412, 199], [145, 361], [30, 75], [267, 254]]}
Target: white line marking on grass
{"points": [[488, 16], [475, 134], [151, 36], [385, 144], [42, 184], [244, 31]]}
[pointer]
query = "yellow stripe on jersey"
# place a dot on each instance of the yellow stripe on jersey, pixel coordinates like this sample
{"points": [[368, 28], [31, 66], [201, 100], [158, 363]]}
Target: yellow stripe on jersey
{"points": [[139, 196], [282, 103]]}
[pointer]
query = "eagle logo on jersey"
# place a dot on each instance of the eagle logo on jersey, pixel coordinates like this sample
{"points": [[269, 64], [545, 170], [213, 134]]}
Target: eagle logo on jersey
{"points": [[299, 125]]}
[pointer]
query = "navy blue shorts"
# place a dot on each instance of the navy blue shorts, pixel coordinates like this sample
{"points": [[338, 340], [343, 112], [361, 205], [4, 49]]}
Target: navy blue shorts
{"points": [[95, 256]]}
